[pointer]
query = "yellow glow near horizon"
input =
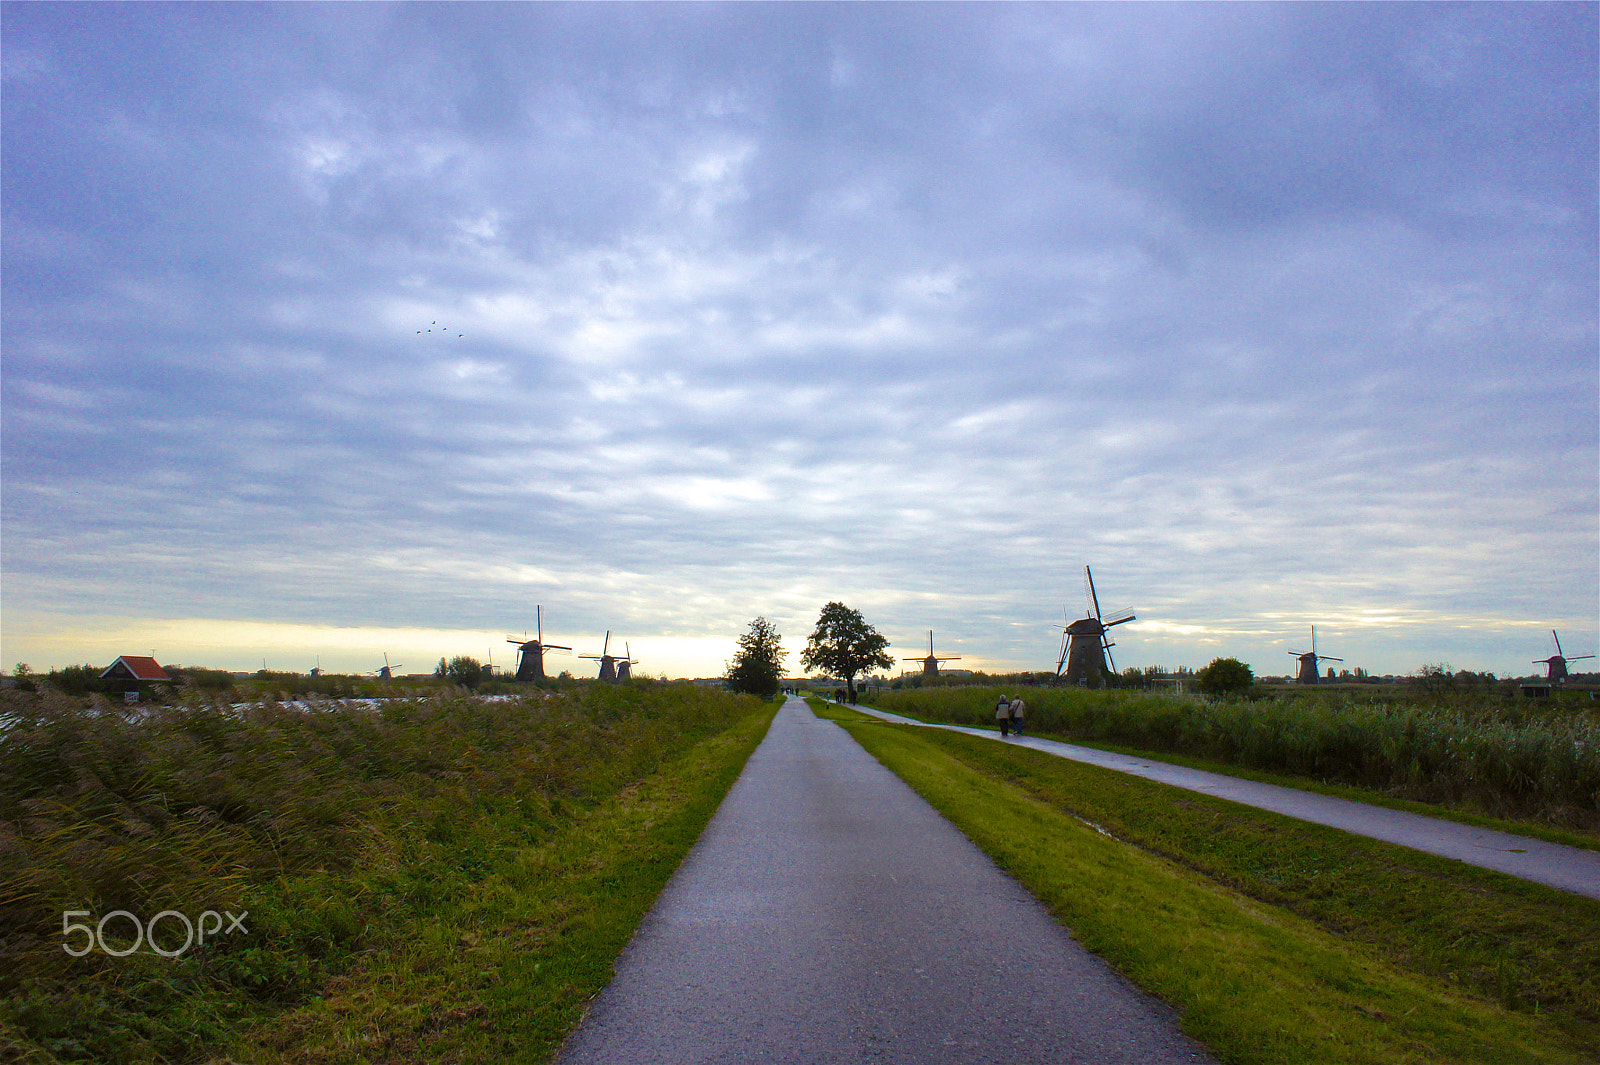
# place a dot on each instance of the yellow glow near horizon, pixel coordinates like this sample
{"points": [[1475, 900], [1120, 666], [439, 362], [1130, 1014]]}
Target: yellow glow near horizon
{"points": [[48, 642], [243, 646]]}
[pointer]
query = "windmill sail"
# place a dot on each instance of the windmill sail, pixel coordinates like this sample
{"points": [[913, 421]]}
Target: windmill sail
{"points": [[1085, 647], [930, 661]]}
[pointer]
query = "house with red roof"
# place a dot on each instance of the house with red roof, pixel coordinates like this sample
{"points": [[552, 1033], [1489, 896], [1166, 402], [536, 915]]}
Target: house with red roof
{"points": [[132, 675], [135, 668]]}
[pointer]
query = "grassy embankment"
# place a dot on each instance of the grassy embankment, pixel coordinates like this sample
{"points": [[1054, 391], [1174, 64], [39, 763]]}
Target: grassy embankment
{"points": [[428, 881], [1277, 941], [1479, 760]]}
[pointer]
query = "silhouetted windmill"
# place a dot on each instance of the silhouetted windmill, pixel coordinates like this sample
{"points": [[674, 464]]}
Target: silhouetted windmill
{"points": [[1557, 662], [625, 664], [930, 664], [1085, 647], [530, 660], [385, 671], [608, 661], [1309, 673], [317, 669]]}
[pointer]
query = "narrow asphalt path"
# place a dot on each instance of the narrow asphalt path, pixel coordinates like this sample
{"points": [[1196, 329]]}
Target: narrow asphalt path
{"points": [[829, 914], [1568, 868]]}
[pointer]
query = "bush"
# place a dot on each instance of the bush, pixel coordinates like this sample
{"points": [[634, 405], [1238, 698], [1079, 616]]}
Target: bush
{"points": [[463, 670], [1225, 676]]}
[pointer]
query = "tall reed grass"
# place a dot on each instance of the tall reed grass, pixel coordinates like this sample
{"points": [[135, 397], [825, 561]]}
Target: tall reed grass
{"points": [[323, 822], [1545, 767]]}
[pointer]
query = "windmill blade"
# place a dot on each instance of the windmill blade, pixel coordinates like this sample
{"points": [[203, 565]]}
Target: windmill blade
{"points": [[1329, 658], [538, 613], [1112, 662], [1094, 600], [1557, 639], [1118, 618], [1579, 658]]}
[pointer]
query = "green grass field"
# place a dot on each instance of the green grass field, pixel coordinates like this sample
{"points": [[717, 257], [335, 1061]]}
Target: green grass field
{"points": [[1480, 754], [452, 880], [447, 880], [1276, 940]]}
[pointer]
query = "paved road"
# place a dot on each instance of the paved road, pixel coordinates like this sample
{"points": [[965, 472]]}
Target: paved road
{"points": [[1568, 868], [829, 914]]}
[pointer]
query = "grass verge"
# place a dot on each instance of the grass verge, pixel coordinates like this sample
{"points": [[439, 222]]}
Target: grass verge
{"points": [[440, 880], [1569, 837], [504, 972], [1276, 940], [1489, 756]]}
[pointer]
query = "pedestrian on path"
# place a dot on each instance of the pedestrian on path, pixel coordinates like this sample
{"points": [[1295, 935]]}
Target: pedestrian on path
{"points": [[1018, 708], [1002, 714]]}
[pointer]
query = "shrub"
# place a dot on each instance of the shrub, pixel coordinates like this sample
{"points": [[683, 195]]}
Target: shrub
{"points": [[1225, 676]]}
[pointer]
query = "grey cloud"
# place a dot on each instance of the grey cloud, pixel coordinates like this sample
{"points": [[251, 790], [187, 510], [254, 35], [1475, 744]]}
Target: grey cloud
{"points": [[1253, 303]]}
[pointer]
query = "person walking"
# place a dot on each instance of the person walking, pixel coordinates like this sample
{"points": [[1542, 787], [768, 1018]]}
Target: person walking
{"points": [[1002, 714], [1018, 708]]}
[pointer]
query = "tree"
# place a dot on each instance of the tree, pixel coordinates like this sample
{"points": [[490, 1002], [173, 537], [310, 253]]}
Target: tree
{"points": [[462, 669], [1225, 676], [843, 645], [758, 667], [24, 677]]}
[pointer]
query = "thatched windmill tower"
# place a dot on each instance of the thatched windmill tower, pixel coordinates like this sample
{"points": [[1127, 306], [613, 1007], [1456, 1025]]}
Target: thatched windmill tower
{"points": [[1309, 673], [930, 664], [1557, 663], [530, 653], [625, 664], [1085, 647], [385, 671], [608, 661]]}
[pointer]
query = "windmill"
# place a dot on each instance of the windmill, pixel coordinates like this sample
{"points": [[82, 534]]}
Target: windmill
{"points": [[385, 671], [625, 664], [1557, 662], [1085, 647], [608, 661], [1309, 673], [530, 660], [930, 664], [316, 670]]}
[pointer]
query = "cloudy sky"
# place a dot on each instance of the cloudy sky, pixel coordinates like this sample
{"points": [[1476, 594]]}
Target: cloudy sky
{"points": [[344, 330]]}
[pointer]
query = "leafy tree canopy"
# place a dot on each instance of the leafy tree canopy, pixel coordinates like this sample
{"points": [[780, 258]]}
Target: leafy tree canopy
{"points": [[1225, 676], [462, 669], [758, 667], [844, 645]]}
